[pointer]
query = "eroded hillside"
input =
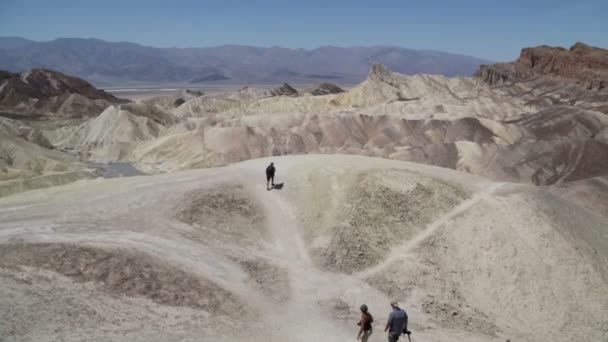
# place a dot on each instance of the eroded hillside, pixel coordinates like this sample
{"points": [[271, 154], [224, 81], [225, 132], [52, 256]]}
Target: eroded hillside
{"points": [[212, 254], [514, 122]]}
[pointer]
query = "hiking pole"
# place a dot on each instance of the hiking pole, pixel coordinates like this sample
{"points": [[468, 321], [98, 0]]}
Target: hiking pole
{"points": [[408, 335]]}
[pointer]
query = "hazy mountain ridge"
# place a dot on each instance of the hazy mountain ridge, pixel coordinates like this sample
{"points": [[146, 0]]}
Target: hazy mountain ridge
{"points": [[104, 62]]}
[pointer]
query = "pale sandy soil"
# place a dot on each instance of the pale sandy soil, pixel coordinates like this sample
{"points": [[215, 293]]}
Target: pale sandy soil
{"points": [[212, 255]]}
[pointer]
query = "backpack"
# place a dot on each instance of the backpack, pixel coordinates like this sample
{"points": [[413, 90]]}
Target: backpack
{"points": [[368, 324]]}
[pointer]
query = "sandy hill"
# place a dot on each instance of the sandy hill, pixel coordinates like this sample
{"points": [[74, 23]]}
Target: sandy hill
{"points": [[211, 254]]}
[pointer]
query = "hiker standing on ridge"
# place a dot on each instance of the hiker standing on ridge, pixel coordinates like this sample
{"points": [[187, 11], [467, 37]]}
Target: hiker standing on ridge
{"points": [[397, 323], [270, 175], [365, 324]]}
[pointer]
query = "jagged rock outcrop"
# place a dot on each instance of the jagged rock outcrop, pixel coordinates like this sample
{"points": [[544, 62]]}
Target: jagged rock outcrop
{"points": [[326, 88], [586, 65], [566, 136], [286, 90], [496, 74], [545, 77], [42, 91], [582, 65]]}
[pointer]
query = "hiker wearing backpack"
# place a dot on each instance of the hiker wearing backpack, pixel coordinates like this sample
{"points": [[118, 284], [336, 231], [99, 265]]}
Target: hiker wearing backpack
{"points": [[365, 324], [397, 323], [270, 170]]}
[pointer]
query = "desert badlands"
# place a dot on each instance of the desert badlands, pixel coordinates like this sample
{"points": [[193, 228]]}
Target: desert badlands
{"points": [[480, 203]]}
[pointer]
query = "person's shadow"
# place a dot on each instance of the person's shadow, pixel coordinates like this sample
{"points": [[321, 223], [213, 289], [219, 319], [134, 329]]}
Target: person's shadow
{"points": [[277, 186]]}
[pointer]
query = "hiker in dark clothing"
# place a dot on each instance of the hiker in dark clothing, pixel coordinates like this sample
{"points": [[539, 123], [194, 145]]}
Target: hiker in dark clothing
{"points": [[270, 176], [365, 324], [397, 323]]}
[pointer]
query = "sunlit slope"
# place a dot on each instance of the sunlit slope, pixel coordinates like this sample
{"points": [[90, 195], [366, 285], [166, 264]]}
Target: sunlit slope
{"points": [[212, 254]]}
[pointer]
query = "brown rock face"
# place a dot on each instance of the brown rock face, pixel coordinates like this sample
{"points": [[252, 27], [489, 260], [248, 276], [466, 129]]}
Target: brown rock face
{"points": [[559, 61], [581, 64], [40, 83], [42, 90], [285, 89], [565, 129], [326, 88], [545, 77], [587, 65]]}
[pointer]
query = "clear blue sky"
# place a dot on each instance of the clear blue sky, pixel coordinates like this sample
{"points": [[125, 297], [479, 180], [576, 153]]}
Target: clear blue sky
{"points": [[495, 30]]}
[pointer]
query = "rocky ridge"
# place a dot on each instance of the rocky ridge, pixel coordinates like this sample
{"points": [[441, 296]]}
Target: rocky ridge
{"points": [[42, 91], [513, 122]]}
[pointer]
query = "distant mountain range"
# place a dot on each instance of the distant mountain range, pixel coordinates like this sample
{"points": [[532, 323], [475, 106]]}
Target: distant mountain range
{"points": [[121, 63]]}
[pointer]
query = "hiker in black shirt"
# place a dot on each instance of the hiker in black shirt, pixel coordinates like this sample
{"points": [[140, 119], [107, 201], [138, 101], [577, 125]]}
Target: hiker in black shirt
{"points": [[270, 176], [365, 324]]}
